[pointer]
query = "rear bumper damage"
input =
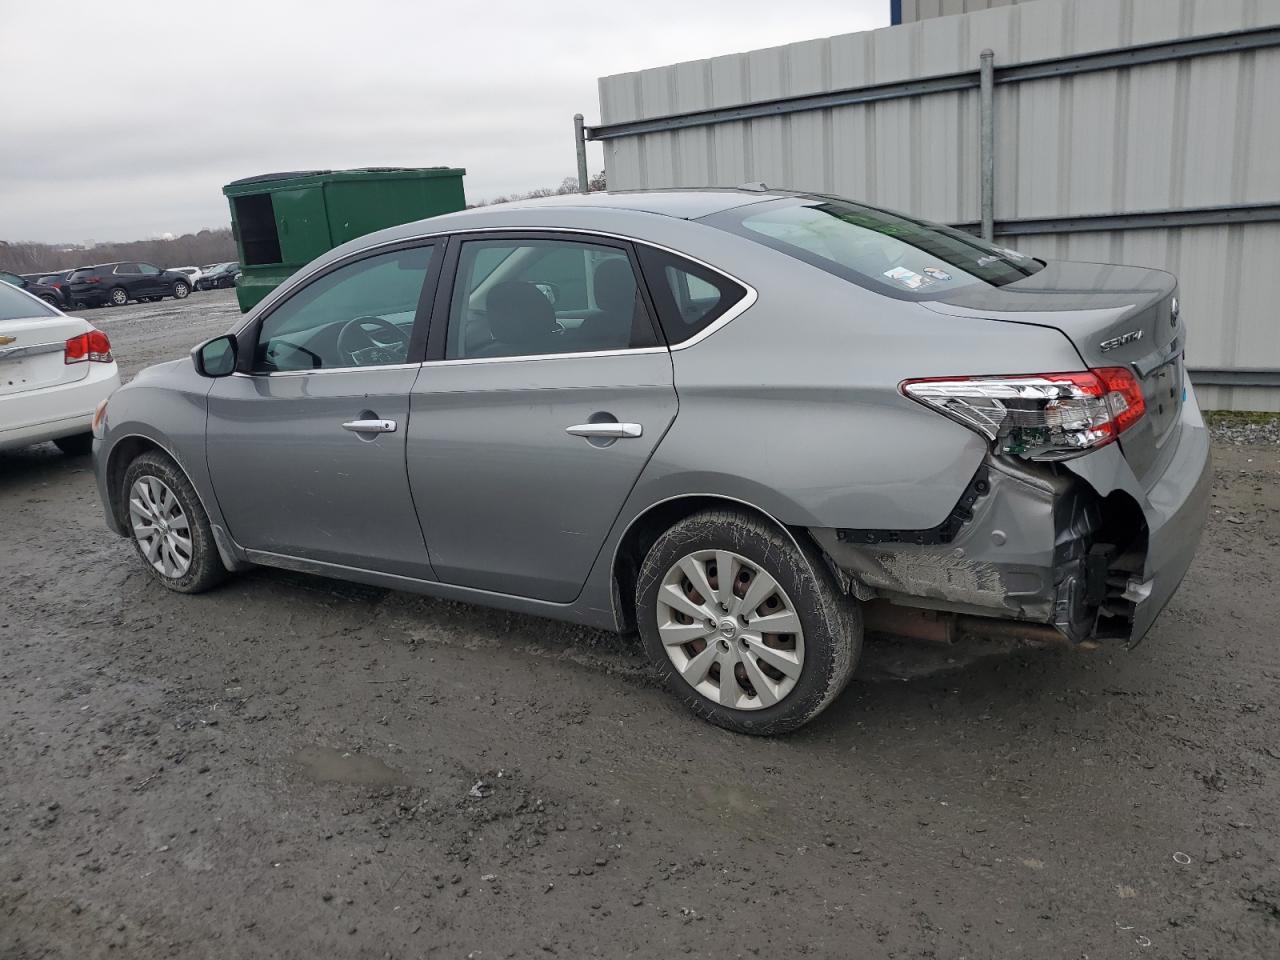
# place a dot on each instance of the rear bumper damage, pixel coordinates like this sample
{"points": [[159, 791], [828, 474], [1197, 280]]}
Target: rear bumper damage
{"points": [[1080, 547]]}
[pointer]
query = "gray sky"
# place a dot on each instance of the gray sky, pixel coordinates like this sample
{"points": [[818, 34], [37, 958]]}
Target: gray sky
{"points": [[129, 125]]}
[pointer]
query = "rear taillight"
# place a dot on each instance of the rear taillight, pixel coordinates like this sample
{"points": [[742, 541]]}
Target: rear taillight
{"points": [[93, 346], [1039, 416]]}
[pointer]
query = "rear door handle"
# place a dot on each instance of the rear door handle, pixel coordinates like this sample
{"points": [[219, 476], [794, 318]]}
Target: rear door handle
{"points": [[370, 426], [607, 429]]}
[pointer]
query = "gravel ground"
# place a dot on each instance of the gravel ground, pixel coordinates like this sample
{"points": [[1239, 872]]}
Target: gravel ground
{"points": [[295, 767]]}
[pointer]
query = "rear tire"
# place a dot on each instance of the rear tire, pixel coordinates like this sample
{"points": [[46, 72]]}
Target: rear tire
{"points": [[51, 301], [118, 297], [819, 654], [76, 445], [168, 525]]}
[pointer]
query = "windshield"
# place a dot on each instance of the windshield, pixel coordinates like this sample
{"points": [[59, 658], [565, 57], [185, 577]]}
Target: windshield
{"points": [[887, 251], [15, 305]]}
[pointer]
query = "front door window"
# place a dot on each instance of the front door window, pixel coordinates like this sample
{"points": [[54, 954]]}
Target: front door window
{"points": [[360, 315]]}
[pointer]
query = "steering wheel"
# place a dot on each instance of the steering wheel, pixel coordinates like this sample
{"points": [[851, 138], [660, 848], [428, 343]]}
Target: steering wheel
{"points": [[359, 326]]}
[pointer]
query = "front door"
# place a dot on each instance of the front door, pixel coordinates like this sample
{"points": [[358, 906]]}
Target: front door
{"points": [[549, 395], [150, 284], [306, 442]]}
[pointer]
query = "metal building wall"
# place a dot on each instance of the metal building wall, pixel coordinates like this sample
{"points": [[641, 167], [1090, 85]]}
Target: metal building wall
{"points": [[1198, 132], [913, 10]]}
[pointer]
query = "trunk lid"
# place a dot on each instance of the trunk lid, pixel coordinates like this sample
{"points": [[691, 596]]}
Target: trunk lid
{"points": [[1115, 316], [31, 353]]}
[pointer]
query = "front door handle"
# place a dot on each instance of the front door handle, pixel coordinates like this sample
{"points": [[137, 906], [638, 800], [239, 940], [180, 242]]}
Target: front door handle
{"points": [[370, 426], [607, 429]]}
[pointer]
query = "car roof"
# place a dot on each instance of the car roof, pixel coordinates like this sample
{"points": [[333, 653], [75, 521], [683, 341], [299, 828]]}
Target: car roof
{"points": [[684, 203]]}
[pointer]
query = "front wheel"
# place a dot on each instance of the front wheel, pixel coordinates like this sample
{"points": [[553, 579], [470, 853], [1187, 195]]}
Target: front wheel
{"points": [[180, 290], [169, 527], [748, 629]]}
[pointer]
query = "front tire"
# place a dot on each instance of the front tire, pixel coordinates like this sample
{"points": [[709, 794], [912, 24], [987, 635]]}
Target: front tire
{"points": [[168, 525], [180, 291], [761, 650]]}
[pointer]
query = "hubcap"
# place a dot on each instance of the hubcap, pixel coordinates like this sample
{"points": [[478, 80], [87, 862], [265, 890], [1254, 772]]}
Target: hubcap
{"points": [[119, 297], [160, 526], [730, 630]]}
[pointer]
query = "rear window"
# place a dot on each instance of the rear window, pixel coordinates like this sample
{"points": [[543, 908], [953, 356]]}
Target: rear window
{"points": [[14, 304], [888, 252]]}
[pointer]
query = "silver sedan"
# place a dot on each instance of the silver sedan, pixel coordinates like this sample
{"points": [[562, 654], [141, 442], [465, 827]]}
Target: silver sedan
{"points": [[748, 425]]}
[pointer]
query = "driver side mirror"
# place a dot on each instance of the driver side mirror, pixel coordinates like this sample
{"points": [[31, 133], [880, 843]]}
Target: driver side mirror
{"points": [[216, 357]]}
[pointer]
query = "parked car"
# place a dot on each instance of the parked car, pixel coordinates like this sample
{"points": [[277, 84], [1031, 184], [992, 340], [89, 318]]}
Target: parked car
{"points": [[747, 424], [219, 276], [58, 282], [50, 295], [193, 275], [115, 284], [54, 371]]}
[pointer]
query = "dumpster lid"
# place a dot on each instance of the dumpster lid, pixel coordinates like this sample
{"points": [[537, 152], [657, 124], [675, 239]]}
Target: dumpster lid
{"points": [[357, 171]]}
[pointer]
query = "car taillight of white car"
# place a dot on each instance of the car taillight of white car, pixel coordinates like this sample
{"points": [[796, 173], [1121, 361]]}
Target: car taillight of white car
{"points": [[1040, 416]]}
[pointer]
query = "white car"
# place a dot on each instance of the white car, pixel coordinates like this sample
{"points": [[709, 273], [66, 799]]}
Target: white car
{"points": [[55, 370], [194, 273]]}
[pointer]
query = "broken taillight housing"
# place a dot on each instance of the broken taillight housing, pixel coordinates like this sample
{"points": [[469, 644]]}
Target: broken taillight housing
{"points": [[1039, 416], [92, 346]]}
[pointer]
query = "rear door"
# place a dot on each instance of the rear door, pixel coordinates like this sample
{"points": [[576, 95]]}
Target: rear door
{"points": [[127, 276], [525, 437], [306, 441]]}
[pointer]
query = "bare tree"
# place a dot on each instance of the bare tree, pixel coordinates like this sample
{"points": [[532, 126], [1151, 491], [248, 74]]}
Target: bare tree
{"points": [[204, 246]]}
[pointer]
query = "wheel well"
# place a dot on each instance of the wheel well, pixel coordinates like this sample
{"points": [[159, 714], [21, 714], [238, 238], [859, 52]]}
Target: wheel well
{"points": [[653, 523], [123, 454]]}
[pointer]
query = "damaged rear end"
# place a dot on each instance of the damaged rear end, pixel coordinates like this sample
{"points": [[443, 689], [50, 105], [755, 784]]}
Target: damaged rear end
{"points": [[1086, 511]]}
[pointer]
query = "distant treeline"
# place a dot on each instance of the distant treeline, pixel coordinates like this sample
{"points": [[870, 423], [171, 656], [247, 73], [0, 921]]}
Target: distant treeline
{"points": [[190, 249]]}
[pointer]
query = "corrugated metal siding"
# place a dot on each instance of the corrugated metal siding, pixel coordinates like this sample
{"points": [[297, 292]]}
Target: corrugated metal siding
{"points": [[1197, 132], [913, 10]]}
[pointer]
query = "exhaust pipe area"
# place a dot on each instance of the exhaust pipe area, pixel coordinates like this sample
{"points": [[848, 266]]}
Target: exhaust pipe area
{"points": [[936, 626]]}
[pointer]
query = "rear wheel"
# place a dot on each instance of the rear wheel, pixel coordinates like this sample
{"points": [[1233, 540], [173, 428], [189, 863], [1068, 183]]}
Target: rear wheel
{"points": [[747, 629], [51, 301], [168, 525], [76, 445], [118, 296], [180, 290]]}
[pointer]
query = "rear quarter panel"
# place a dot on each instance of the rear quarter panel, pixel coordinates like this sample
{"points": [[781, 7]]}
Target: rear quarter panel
{"points": [[795, 407]]}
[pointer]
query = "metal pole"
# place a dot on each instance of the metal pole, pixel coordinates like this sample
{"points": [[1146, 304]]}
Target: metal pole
{"points": [[987, 145], [580, 138]]}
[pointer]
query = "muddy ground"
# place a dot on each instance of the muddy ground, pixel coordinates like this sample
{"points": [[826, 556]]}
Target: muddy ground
{"points": [[295, 767]]}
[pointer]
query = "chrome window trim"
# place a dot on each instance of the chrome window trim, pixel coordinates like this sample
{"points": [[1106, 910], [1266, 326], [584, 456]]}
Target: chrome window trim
{"points": [[32, 350], [585, 354], [739, 308], [311, 373]]}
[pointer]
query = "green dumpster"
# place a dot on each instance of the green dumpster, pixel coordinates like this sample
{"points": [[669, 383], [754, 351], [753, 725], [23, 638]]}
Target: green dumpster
{"points": [[283, 221]]}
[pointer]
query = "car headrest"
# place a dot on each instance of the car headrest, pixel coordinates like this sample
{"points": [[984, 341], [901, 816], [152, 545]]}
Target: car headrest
{"points": [[519, 313], [615, 286]]}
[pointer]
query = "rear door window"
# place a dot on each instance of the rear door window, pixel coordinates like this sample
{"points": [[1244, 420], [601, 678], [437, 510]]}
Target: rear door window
{"points": [[689, 297], [545, 297]]}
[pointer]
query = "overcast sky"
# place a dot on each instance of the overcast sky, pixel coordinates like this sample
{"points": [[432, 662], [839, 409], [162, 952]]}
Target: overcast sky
{"points": [[124, 120]]}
